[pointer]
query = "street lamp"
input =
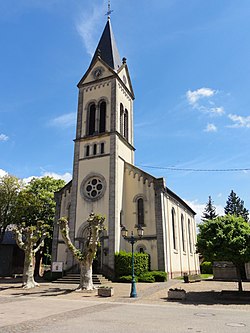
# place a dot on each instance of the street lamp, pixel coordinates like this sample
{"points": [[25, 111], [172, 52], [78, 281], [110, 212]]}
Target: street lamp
{"points": [[132, 240]]}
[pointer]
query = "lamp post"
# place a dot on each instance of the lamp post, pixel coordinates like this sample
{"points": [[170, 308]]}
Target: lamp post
{"points": [[132, 240]]}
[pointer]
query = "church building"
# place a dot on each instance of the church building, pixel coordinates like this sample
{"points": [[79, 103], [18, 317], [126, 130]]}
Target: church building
{"points": [[106, 181]]}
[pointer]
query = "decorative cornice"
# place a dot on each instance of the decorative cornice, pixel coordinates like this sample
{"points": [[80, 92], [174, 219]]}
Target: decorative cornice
{"points": [[141, 174], [97, 84]]}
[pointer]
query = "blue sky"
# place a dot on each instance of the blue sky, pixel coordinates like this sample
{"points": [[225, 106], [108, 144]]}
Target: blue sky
{"points": [[190, 68]]}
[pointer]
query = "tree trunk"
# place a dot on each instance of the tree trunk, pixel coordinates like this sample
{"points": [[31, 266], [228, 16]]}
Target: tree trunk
{"points": [[239, 279], [86, 282], [28, 270], [38, 263]]}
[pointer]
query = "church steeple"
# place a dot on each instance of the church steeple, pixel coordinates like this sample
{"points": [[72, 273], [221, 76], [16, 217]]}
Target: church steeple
{"points": [[107, 49]]}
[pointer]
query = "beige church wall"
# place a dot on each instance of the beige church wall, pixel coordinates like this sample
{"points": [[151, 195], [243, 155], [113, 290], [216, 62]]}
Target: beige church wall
{"points": [[133, 186], [91, 142], [123, 73], [180, 261], [62, 254], [119, 207], [94, 93], [64, 209], [124, 98], [84, 207], [125, 153]]}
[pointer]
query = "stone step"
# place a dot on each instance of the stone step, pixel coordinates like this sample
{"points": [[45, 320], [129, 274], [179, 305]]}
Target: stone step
{"points": [[75, 279]]}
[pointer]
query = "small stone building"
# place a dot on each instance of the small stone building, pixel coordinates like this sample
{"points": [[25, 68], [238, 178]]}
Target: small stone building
{"points": [[11, 256]]}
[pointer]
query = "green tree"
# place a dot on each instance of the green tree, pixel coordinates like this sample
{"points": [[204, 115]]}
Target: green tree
{"points": [[30, 233], [209, 211], [225, 238], [43, 189], [95, 225], [235, 206], [10, 187]]}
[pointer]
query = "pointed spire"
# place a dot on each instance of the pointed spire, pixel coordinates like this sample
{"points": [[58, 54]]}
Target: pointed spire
{"points": [[107, 49]]}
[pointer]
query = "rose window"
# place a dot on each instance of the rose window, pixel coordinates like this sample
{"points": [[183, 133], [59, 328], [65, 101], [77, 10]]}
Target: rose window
{"points": [[93, 187]]}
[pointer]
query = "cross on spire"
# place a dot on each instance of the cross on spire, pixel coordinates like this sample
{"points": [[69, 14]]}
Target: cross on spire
{"points": [[109, 10]]}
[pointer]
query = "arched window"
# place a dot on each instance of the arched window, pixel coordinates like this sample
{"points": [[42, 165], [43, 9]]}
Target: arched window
{"points": [[102, 148], [140, 212], [183, 234], [126, 124], [94, 149], [121, 119], [87, 151], [91, 119], [190, 237], [174, 228], [102, 124]]}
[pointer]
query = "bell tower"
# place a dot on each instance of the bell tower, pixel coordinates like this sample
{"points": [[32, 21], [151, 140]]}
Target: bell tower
{"points": [[103, 143]]}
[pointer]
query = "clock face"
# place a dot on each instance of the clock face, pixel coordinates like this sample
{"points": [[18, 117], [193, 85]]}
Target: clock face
{"points": [[97, 72]]}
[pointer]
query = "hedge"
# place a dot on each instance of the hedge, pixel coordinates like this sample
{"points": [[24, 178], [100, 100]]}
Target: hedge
{"points": [[159, 276], [207, 267], [127, 278], [154, 276], [123, 263], [146, 277]]}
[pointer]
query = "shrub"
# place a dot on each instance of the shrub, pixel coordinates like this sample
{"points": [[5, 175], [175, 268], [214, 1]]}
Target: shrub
{"points": [[159, 276], [207, 267], [146, 277], [127, 279], [123, 263]]}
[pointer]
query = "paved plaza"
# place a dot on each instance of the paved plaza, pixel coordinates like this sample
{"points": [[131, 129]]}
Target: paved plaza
{"points": [[56, 308]]}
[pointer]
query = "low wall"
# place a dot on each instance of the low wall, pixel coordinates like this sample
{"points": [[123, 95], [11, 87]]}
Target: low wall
{"points": [[224, 270]]}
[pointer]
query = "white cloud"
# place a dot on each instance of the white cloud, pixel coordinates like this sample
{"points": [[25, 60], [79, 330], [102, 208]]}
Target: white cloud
{"points": [[206, 105], [4, 137], [3, 173], [66, 176], [86, 27], [239, 121], [198, 208], [194, 96], [64, 121], [217, 110], [210, 128]]}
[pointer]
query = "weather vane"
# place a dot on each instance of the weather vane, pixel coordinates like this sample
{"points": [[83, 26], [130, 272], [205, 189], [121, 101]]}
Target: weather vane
{"points": [[109, 10]]}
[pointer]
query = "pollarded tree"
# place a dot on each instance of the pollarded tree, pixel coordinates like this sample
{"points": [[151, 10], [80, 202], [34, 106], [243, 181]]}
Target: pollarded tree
{"points": [[235, 206], [10, 187], [209, 211], [85, 257], [44, 189], [225, 238], [30, 233], [30, 239]]}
